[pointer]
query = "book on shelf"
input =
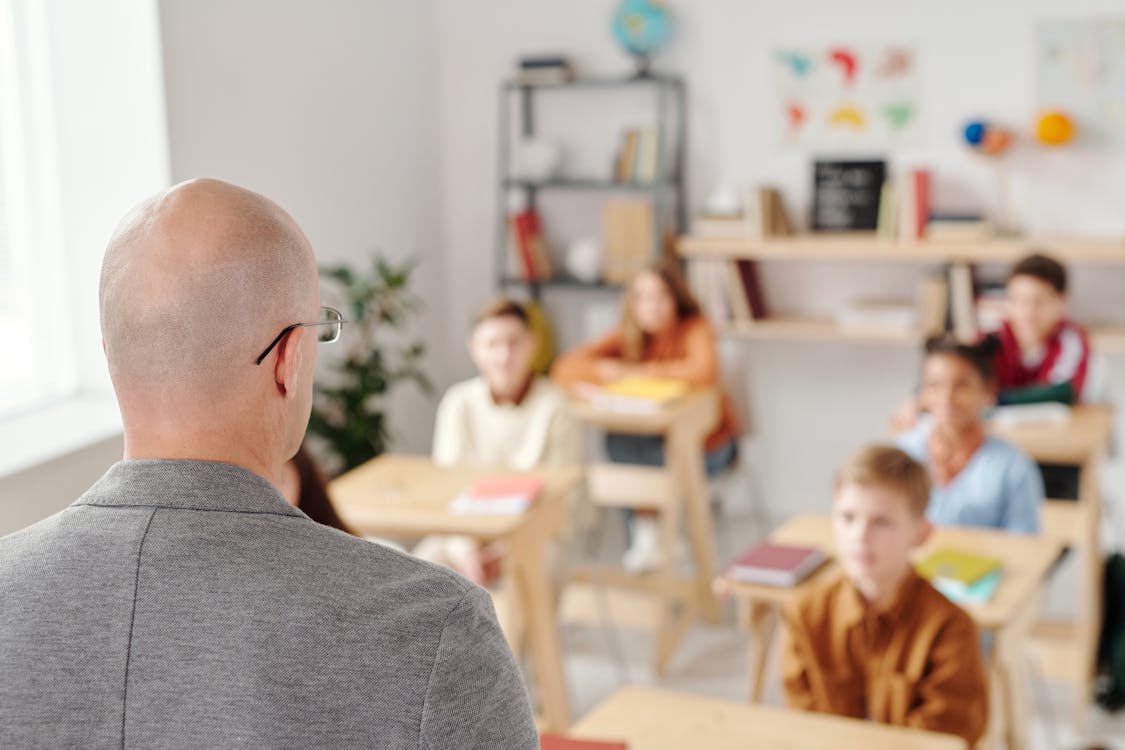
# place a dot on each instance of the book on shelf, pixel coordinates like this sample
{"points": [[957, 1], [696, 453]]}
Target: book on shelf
{"points": [[887, 225], [560, 742], [958, 228], [504, 494], [628, 238], [728, 290], [962, 302], [638, 156], [544, 70], [625, 164], [961, 575], [773, 564], [933, 304], [531, 249], [914, 207], [648, 155]]}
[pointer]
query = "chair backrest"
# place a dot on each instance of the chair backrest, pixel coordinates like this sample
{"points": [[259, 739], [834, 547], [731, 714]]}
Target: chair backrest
{"points": [[735, 378]]}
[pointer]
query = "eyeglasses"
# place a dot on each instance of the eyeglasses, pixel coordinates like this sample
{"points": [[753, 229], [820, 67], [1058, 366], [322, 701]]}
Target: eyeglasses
{"points": [[331, 320]]}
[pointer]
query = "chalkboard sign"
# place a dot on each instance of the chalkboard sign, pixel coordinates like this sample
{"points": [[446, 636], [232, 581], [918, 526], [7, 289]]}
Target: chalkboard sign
{"points": [[846, 195]]}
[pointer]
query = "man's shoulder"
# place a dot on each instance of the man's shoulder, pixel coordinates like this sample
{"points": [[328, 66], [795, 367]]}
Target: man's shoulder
{"points": [[373, 570]]}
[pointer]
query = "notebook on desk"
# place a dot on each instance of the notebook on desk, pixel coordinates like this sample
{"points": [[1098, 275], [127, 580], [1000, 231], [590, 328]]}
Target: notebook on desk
{"points": [[964, 577], [638, 394]]}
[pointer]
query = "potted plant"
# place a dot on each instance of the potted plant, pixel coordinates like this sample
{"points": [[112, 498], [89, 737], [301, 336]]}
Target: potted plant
{"points": [[349, 415]]}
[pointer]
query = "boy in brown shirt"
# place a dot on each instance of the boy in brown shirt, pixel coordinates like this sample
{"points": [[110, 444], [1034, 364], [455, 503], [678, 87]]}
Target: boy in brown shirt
{"points": [[880, 642]]}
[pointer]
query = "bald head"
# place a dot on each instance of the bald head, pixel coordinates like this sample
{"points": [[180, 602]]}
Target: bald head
{"points": [[196, 281]]}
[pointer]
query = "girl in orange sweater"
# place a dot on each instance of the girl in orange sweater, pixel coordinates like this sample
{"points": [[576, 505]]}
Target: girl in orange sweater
{"points": [[662, 334]]}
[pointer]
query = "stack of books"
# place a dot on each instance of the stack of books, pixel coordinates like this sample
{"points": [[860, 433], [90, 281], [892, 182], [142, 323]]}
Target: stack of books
{"points": [[964, 577], [544, 71], [958, 228]]}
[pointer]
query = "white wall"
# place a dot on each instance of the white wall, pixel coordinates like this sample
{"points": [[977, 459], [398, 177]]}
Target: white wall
{"points": [[813, 402], [329, 108]]}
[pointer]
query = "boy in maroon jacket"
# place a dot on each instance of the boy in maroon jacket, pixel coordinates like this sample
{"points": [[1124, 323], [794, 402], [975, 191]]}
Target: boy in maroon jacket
{"points": [[1042, 355]]}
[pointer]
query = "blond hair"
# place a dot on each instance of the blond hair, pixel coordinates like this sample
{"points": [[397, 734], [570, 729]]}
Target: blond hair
{"points": [[888, 467]]}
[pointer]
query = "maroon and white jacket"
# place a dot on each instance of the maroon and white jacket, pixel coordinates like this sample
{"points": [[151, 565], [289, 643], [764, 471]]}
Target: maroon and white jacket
{"points": [[1065, 358]]}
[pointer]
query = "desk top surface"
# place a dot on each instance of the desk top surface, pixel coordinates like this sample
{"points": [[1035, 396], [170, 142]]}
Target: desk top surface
{"points": [[1084, 436], [1025, 559], [410, 495], [649, 719]]}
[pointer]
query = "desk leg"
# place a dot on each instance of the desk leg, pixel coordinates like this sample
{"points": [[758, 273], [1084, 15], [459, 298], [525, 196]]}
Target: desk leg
{"points": [[760, 620], [686, 462], [1091, 570], [534, 586], [1009, 664]]}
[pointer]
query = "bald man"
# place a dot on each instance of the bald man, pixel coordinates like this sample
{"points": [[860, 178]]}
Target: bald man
{"points": [[182, 602]]}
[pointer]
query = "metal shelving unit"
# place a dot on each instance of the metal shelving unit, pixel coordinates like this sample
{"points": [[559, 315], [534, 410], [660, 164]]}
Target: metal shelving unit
{"points": [[666, 191]]}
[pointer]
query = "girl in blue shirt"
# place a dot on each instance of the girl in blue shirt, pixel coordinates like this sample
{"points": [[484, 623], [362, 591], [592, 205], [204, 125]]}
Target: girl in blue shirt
{"points": [[978, 479]]}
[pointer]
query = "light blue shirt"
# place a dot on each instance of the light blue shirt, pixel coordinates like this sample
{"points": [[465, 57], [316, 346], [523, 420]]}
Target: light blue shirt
{"points": [[1000, 487]]}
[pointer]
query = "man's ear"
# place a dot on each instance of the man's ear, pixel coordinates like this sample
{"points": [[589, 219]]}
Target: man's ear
{"points": [[287, 371]]}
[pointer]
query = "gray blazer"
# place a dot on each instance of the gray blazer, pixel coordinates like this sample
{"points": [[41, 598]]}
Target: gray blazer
{"points": [[186, 604]]}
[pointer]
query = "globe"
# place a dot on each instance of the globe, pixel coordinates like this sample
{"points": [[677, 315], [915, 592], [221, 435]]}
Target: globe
{"points": [[642, 27]]}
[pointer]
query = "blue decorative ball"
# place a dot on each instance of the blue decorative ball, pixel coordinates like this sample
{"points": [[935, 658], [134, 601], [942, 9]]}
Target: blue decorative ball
{"points": [[974, 132], [641, 26]]}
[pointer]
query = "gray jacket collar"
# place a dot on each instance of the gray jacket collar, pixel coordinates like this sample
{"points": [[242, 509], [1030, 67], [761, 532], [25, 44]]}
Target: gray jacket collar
{"points": [[186, 485]]}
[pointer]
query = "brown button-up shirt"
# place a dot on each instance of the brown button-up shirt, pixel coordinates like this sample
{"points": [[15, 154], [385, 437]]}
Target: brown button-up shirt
{"points": [[915, 662]]}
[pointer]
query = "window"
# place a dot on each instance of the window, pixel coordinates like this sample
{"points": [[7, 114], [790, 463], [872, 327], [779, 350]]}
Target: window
{"points": [[83, 139], [38, 366]]}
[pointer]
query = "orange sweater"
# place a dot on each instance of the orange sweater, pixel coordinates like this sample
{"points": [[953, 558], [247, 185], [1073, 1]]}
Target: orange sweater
{"points": [[686, 353], [913, 663]]}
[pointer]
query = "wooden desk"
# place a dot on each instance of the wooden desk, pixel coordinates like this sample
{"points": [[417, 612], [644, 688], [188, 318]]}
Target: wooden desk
{"points": [[678, 487], [1067, 650], [1008, 615], [408, 496], [658, 720]]}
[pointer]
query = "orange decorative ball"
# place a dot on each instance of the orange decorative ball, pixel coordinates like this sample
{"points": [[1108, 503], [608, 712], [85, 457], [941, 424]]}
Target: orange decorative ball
{"points": [[1054, 128]]}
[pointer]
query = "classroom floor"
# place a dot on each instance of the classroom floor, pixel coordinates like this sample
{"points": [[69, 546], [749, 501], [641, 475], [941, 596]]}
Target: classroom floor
{"points": [[711, 659]]}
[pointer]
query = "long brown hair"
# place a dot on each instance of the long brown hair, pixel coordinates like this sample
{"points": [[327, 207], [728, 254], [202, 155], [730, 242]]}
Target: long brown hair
{"points": [[313, 497], [633, 339]]}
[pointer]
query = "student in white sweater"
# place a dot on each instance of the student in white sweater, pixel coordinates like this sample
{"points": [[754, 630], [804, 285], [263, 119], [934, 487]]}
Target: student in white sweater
{"points": [[506, 417]]}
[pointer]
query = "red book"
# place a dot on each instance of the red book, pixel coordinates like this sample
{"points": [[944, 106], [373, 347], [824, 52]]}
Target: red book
{"points": [[507, 494], [921, 196], [525, 230], [506, 486], [776, 564], [748, 270], [558, 742]]}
